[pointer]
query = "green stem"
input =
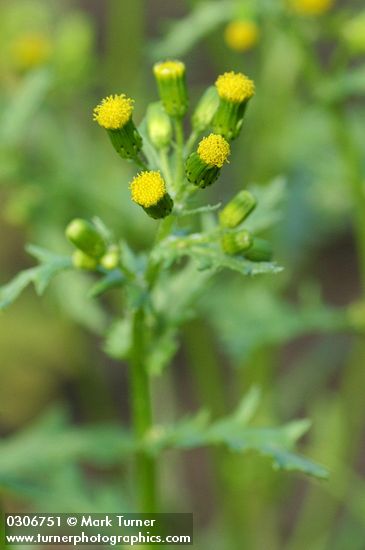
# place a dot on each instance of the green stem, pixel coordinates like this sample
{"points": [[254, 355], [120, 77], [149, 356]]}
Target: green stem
{"points": [[140, 390], [164, 229], [142, 416], [191, 142], [140, 163], [179, 136], [165, 166], [153, 267]]}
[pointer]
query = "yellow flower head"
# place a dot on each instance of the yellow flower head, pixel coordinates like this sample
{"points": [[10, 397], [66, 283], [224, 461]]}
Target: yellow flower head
{"points": [[31, 50], [169, 69], [235, 87], [241, 35], [214, 150], [114, 112], [311, 7], [148, 188]]}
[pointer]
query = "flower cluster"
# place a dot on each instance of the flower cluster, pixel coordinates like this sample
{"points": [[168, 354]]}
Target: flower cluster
{"points": [[219, 115]]}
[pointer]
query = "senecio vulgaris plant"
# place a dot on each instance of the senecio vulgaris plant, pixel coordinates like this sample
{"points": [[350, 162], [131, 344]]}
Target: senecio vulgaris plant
{"points": [[160, 288]]}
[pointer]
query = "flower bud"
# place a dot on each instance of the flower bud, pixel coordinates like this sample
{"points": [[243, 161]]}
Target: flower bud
{"points": [[81, 260], [235, 243], [149, 191], [111, 259], [203, 166], [260, 251], [114, 114], [234, 90], [237, 210], [241, 35], [85, 237], [205, 110], [171, 82], [158, 126]]}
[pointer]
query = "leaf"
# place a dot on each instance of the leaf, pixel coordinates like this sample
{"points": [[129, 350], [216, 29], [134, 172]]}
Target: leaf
{"points": [[162, 352], [233, 432], [40, 276], [10, 291], [178, 291], [188, 433], [72, 292], [249, 317], [119, 339], [284, 460], [51, 442], [209, 256]]}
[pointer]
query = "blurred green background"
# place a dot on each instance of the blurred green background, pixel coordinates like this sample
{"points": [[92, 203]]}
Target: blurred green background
{"points": [[297, 335]]}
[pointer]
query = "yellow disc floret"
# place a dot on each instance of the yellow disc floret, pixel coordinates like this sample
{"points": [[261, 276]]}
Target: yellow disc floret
{"points": [[168, 69], [235, 87], [148, 188], [114, 112], [311, 7], [241, 35], [214, 150]]}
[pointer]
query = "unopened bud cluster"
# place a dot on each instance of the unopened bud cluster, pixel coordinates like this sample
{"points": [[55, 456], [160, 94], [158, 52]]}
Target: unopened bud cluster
{"points": [[91, 248], [241, 241]]}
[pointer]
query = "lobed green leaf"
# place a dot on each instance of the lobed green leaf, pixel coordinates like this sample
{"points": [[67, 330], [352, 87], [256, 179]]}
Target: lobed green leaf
{"points": [[40, 276]]}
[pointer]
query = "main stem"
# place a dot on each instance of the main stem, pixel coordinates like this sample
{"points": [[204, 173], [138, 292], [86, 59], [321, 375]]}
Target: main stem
{"points": [[142, 416], [140, 390]]}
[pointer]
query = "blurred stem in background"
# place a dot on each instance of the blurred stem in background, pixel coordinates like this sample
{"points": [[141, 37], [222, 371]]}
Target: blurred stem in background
{"points": [[211, 388], [124, 47], [234, 483], [353, 381], [205, 368], [352, 160]]}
